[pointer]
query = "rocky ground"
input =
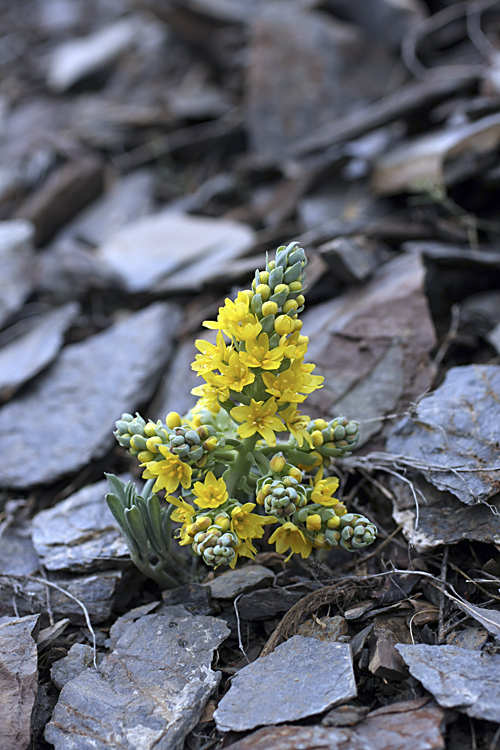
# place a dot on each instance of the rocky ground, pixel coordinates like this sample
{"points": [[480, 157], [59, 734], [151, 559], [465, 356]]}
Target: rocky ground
{"points": [[151, 153]]}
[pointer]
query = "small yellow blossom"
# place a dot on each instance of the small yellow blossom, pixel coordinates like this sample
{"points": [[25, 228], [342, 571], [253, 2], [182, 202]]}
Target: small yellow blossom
{"points": [[169, 473], [258, 417], [248, 525], [323, 491], [313, 522], [245, 548], [289, 536], [258, 354], [235, 319], [296, 346], [211, 493], [236, 374], [212, 356], [210, 392], [183, 513], [296, 424]]}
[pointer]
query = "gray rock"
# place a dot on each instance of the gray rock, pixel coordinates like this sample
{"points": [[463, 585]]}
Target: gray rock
{"points": [[388, 20], [329, 629], [80, 657], [266, 603], [456, 427], [78, 58], [302, 677], [28, 354], [301, 46], [95, 592], [149, 692], [230, 584], [442, 518], [17, 554], [351, 259], [80, 533], [184, 248], [18, 679], [16, 260], [76, 402], [372, 345], [174, 393], [457, 677]]}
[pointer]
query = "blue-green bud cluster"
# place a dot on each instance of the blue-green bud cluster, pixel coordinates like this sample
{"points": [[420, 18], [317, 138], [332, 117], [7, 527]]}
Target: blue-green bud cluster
{"points": [[215, 546], [355, 532]]}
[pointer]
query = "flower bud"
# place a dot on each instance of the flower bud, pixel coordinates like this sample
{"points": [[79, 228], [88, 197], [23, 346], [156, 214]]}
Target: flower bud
{"points": [[290, 305], [145, 456], [269, 308], [264, 291], [277, 463], [173, 420], [263, 277], [295, 286], [317, 438], [284, 325], [313, 523]]}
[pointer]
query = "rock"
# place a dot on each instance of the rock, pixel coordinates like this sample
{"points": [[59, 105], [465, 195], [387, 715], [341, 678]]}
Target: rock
{"points": [[266, 603], [455, 430], [17, 554], [80, 533], [385, 662], [351, 259], [18, 679], [67, 190], [96, 592], [301, 46], [174, 393], [345, 716], [16, 259], [79, 398], [80, 657], [130, 198], [372, 344], [149, 691], [25, 356], [457, 677], [78, 58], [388, 20], [232, 583], [186, 249], [195, 597], [442, 518], [329, 629], [324, 677], [436, 158], [471, 638]]}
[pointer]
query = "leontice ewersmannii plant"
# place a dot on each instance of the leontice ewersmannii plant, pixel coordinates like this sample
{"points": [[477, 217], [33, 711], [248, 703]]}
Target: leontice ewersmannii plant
{"points": [[245, 456]]}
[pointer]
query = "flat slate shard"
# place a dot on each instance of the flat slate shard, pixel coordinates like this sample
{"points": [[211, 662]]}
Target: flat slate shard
{"points": [[456, 427], [149, 692], [25, 356], [230, 584], [16, 260], [372, 344], [457, 677], [410, 729], [79, 398], [18, 680], [80, 533], [301, 677]]}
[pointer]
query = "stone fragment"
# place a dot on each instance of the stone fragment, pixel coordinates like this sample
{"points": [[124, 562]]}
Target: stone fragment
{"points": [[455, 430], [301, 46], [329, 629], [435, 158], [17, 554], [323, 677], [418, 728], [80, 657], [25, 356], [472, 638], [80, 533], [388, 20], [130, 198], [442, 518], [385, 662], [18, 679], [195, 597], [16, 260], [232, 583], [372, 344], [351, 259], [184, 248], [79, 398], [345, 716], [266, 603], [67, 190], [78, 58], [457, 677], [96, 592], [148, 692]]}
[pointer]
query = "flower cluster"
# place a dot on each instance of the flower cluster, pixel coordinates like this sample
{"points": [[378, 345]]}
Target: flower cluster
{"points": [[246, 457]]}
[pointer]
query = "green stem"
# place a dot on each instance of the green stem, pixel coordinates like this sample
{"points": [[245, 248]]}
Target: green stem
{"points": [[241, 465], [224, 456]]}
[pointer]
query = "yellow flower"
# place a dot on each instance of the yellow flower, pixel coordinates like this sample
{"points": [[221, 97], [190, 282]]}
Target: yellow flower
{"points": [[182, 514], [296, 346], [245, 548], [210, 392], [248, 525], [296, 424], [212, 493], [258, 417], [289, 536], [323, 491], [313, 522], [290, 385], [236, 374], [236, 319], [169, 472], [257, 353], [212, 355]]}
